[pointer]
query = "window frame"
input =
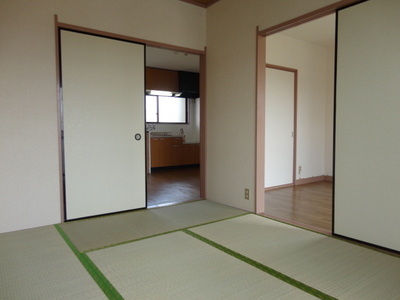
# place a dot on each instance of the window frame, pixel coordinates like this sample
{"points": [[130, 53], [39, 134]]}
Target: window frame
{"points": [[187, 110]]}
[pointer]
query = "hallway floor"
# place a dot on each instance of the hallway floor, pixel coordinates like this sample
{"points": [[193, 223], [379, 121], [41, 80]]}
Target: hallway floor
{"points": [[166, 186], [307, 205]]}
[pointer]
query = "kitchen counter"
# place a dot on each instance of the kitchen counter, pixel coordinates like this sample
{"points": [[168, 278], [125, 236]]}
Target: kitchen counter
{"points": [[158, 136], [172, 136]]}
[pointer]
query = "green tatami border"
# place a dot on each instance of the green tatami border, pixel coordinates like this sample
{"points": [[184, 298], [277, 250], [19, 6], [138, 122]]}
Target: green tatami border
{"points": [[105, 285], [264, 268], [163, 233]]}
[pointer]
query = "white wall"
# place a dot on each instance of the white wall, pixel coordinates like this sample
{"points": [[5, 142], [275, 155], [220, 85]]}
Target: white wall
{"points": [[231, 91], [191, 130], [329, 110], [29, 154], [314, 100]]}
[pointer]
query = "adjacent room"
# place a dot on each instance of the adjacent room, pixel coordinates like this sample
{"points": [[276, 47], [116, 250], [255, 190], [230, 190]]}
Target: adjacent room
{"points": [[172, 131], [299, 123]]}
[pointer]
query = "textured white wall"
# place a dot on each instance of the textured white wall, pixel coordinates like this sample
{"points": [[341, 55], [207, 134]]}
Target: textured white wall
{"points": [[329, 111], [231, 91], [29, 154]]}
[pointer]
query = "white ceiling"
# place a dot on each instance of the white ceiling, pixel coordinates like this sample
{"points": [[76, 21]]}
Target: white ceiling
{"points": [[171, 60], [320, 32]]}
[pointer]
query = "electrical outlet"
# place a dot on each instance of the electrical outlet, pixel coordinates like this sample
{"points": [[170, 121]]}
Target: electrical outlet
{"points": [[246, 194], [299, 169]]}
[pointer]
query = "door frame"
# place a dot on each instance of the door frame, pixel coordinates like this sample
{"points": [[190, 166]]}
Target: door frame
{"points": [[260, 88], [202, 55], [295, 82]]}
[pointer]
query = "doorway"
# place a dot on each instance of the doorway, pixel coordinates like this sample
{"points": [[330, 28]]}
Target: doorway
{"points": [[173, 147], [308, 48], [135, 137]]}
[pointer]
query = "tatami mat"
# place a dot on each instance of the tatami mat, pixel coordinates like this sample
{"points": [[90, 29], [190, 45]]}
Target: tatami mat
{"points": [[337, 268], [111, 230], [38, 264], [178, 266]]}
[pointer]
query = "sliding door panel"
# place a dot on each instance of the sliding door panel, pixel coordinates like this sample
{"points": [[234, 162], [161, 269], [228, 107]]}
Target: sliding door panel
{"points": [[367, 164], [103, 110]]}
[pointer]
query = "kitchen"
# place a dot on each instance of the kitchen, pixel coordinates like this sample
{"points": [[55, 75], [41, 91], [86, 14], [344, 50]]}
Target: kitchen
{"points": [[172, 127]]}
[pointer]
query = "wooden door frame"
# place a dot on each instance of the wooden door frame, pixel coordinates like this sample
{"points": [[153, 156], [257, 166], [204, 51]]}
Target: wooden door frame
{"points": [[260, 87], [202, 56], [295, 82]]}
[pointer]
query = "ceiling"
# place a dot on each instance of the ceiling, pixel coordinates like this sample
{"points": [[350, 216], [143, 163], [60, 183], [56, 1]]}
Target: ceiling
{"points": [[320, 32], [201, 3], [171, 60]]}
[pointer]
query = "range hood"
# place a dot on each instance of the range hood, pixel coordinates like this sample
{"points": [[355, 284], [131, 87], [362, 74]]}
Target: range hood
{"points": [[189, 84]]}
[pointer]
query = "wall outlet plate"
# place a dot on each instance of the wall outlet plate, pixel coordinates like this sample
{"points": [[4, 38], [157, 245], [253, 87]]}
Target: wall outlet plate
{"points": [[246, 194]]}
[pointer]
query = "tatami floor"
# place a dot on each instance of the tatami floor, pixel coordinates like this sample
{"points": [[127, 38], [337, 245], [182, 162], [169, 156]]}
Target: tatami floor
{"points": [[197, 250]]}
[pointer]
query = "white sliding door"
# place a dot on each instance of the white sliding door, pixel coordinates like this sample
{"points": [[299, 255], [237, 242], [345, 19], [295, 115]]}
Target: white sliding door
{"points": [[279, 127], [367, 164], [103, 110]]}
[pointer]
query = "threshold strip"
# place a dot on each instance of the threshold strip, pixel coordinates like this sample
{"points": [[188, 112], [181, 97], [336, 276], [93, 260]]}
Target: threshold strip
{"points": [[96, 274], [273, 272]]}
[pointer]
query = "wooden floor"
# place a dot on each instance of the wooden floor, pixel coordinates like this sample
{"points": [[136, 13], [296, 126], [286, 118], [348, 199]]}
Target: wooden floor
{"points": [[307, 205], [167, 186]]}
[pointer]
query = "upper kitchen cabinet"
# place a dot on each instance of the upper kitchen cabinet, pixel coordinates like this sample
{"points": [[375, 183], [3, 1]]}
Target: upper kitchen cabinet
{"points": [[186, 83], [162, 80]]}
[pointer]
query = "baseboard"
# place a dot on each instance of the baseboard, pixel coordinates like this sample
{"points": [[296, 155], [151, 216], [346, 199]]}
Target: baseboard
{"points": [[302, 181], [298, 224], [278, 187], [313, 179]]}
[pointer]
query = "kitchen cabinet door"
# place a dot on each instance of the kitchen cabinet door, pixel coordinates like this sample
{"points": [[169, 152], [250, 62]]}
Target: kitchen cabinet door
{"points": [[191, 154], [177, 155], [161, 152], [166, 152]]}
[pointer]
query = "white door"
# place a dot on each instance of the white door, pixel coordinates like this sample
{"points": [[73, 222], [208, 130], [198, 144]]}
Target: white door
{"points": [[279, 127], [103, 109]]}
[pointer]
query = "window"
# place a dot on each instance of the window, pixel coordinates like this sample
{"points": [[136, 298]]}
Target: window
{"points": [[161, 109]]}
